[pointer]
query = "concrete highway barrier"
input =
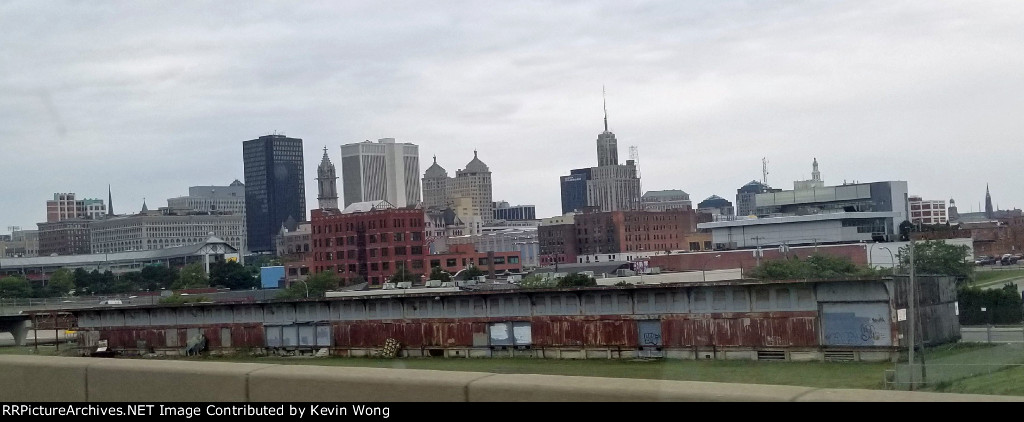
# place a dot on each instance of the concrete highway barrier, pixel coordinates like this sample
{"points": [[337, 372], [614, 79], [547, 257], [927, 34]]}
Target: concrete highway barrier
{"points": [[77, 379]]}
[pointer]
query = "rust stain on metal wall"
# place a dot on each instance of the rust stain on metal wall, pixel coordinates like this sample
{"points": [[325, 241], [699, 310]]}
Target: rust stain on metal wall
{"points": [[242, 335], [767, 330], [410, 334]]}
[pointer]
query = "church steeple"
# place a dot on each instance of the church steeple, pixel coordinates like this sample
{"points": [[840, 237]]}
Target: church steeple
{"points": [[327, 181], [110, 202], [988, 203], [815, 174]]}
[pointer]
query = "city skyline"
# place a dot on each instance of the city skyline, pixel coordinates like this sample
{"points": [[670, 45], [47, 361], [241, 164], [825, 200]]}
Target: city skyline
{"points": [[915, 92]]}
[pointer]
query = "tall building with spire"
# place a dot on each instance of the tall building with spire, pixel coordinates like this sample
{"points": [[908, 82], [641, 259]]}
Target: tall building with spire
{"points": [[327, 183], [607, 145], [385, 170], [611, 186]]}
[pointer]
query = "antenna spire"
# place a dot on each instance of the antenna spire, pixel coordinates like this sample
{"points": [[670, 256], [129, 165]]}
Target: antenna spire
{"points": [[764, 170], [604, 101]]}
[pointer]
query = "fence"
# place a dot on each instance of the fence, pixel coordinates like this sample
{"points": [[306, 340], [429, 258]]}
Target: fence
{"points": [[949, 368]]}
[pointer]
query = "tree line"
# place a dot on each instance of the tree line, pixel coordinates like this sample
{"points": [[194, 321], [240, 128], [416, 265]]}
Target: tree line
{"points": [[65, 282]]}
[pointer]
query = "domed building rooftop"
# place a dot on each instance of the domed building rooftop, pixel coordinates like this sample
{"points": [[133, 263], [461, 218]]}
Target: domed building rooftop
{"points": [[477, 166], [435, 171], [714, 201]]}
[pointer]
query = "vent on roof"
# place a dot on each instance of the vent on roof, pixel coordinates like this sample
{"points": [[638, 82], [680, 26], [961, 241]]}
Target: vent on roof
{"points": [[771, 355], [839, 356]]}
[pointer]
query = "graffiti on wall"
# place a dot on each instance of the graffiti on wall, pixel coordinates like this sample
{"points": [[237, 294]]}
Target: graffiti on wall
{"points": [[856, 324]]}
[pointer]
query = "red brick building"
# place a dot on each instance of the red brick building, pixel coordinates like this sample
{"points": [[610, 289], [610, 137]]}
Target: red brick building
{"points": [[990, 238], [460, 257], [371, 241], [634, 231], [557, 244], [65, 237], [747, 259]]}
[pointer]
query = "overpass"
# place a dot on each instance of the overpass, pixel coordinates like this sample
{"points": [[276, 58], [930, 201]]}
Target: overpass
{"points": [[76, 379], [17, 325]]}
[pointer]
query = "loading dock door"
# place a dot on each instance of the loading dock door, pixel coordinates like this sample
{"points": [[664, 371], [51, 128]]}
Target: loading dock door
{"points": [[649, 338], [650, 333]]}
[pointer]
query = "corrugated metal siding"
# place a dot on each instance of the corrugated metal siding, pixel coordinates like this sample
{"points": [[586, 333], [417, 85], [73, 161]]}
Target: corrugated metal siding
{"points": [[851, 291], [784, 314], [621, 333], [771, 330]]}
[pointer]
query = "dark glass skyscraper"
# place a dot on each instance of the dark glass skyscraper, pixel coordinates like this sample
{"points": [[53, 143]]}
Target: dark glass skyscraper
{"points": [[574, 190], [274, 188]]}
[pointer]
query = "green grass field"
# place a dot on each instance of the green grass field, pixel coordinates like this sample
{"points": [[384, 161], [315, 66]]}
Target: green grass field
{"points": [[1009, 382], [811, 374], [995, 277], [1002, 379]]}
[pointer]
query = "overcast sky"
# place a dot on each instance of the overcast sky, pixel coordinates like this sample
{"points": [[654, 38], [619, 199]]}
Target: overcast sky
{"points": [[154, 97]]}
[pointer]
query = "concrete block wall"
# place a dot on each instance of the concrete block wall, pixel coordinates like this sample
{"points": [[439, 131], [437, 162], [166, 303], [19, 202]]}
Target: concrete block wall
{"points": [[67, 379]]}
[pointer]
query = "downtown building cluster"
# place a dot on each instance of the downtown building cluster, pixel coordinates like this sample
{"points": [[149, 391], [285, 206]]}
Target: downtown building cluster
{"points": [[380, 215]]}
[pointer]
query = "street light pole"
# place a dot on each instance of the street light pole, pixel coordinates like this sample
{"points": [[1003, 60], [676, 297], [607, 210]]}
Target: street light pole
{"points": [[892, 259], [306, 286]]}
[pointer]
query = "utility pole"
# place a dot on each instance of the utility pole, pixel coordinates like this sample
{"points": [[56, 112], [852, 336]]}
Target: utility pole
{"points": [[912, 320], [757, 252]]}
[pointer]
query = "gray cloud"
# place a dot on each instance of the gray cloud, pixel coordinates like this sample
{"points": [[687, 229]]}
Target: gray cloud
{"points": [[152, 97]]}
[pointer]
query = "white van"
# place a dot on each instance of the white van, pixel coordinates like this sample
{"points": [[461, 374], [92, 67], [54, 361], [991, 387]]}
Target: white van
{"points": [[111, 302]]}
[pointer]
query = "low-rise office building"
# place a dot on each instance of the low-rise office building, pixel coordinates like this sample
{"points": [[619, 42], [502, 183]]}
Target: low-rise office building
{"points": [[149, 232], [860, 212], [210, 249]]}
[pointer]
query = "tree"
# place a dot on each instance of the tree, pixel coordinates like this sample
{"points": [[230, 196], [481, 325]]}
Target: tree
{"points": [[935, 257], [1002, 306], [905, 228], [471, 273], [402, 275], [96, 282], [355, 279], [537, 281], [816, 266], [119, 283], [232, 275], [577, 280], [62, 282], [437, 273], [81, 278], [316, 285], [156, 277], [15, 286], [177, 299], [191, 276]]}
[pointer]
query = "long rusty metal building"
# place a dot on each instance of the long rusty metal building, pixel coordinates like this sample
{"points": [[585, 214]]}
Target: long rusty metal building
{"points": [[854, 319]]}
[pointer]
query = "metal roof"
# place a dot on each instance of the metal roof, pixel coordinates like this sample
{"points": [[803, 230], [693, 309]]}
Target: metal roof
{"points": [[113, 258], [367, 206], [798, 219]]}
